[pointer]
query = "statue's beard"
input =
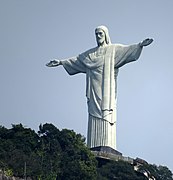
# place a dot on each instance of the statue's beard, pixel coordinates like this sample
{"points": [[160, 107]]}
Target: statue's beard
{"points": [[100, 42]]}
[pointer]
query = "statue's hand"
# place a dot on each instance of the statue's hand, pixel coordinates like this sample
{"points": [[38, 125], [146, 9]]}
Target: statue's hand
{"points": [[146, 42], [54, 63]]}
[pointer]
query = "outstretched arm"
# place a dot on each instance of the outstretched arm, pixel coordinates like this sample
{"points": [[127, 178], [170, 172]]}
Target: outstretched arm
{"points": [[126, 54], [71, 65]]}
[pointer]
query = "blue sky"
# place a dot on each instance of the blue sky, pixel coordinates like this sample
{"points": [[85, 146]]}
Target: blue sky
{"points": [[34, 32]]}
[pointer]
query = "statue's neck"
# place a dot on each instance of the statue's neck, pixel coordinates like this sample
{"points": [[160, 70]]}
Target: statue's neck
{"points": [[102, 44]]}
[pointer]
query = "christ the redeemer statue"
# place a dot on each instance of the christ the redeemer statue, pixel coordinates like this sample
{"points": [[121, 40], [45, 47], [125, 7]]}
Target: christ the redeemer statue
{"points": [[101, 65]]}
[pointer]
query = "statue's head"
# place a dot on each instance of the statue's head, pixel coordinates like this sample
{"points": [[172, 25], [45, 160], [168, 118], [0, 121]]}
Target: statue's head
{"points": [[102, 35]]}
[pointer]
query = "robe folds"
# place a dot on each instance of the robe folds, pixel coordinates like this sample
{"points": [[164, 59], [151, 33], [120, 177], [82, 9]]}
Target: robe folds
{"points": [[101, 65]]}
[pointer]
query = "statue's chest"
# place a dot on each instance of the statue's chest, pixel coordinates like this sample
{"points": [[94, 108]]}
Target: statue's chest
{"points": [[97, 58], [98, 53]]}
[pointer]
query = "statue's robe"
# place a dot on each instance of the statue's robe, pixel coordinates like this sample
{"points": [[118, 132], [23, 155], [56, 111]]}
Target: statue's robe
{"points": [[101, 66]]}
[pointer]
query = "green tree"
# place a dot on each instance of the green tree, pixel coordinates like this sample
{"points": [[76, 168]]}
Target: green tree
{"points": [[77, 160], [16, 147], [118, 170], [164, 173], [23, 138], [64, 154], [159, 172], [49, 151]]}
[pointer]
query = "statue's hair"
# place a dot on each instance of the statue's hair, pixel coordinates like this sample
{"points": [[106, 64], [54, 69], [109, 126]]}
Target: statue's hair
{"points": [[105, 30]]}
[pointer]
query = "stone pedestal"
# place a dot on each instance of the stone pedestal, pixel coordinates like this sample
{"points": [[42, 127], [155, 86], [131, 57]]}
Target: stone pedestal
{"points": [[106, 150], [105, 153]]}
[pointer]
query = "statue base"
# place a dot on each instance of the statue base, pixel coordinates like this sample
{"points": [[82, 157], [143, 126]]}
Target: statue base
{"points": [[106, 153], [106, 150]]}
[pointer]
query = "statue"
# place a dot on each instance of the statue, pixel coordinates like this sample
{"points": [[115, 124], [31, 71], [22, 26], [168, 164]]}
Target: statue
{"points": [[101, 65]]}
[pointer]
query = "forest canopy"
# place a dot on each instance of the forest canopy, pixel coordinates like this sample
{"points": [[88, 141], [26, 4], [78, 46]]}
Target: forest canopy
{"points": [[51, 154]]}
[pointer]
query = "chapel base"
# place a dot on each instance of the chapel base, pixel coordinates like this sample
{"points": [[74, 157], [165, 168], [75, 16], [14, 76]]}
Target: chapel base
{"points": [[106, 150]]}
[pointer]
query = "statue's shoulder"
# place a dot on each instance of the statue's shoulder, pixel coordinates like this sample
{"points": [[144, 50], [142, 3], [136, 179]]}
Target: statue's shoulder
{"points": [[87, 53], [118, 45], [113, 47], [90, 51]]}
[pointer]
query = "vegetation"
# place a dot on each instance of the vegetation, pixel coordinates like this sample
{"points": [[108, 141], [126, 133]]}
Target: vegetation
{"points": [[159, 172], [52, 154], [48, 154]]}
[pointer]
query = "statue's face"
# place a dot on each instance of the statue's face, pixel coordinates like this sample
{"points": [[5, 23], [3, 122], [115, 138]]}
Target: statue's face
{"points": [[100, 37]]}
